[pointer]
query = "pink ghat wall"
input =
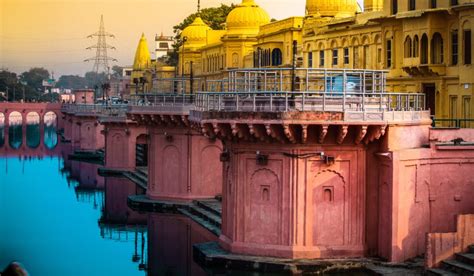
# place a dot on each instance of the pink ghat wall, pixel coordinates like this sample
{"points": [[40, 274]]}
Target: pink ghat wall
{"points": [[120, 145], [379, 199], [183, 165]]}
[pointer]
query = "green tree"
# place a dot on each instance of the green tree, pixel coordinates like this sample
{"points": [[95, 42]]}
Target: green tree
{"points": [[71, 82], [214, 17], [117, 71], [34, 77], [94, 79]]}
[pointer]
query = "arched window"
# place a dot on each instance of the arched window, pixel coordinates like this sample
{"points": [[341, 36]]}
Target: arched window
{"points": [[467, 42], [408, 47], [394, 6], [424, 49], [276, 57], [437, 49], [416, 46]]}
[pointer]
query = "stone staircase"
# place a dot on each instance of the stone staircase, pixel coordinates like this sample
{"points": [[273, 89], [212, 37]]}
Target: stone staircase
{"points": [[141, 155], [139, 177], [462, 264], [207, 213]]}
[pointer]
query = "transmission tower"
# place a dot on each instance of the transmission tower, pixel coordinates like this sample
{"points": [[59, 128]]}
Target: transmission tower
{"points": [[101, 59]]}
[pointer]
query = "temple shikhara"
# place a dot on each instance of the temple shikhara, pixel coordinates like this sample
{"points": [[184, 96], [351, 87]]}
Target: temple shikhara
{"points": [[345, 134]]}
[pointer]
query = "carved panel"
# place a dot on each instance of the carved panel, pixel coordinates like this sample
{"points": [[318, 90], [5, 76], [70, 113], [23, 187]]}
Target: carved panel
{"points": [[263, 217]]}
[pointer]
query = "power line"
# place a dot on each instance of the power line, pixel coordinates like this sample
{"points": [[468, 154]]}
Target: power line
{"points": [[101, 59]]}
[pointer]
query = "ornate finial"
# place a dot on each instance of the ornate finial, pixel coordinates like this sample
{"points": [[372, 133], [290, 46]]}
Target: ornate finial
{"points": [[199, 6]]}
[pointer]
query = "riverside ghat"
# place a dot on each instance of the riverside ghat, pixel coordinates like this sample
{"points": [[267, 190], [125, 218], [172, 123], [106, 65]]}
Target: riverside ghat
{"points": [[339, 172]]}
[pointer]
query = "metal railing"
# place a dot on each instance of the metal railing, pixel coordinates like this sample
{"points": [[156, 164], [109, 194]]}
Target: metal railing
{"points": [[301, 79], [309, 101], [162, 102], [452, 123], [96, 109]]}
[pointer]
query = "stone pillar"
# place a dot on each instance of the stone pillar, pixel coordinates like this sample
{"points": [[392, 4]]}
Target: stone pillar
{"points": [[75, 132], [183, 164], [67, 122], [90, 134], [120, 145], [292, 201]]}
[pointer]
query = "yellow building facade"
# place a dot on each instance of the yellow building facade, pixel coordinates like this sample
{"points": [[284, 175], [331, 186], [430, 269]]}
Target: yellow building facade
{"points": [[425, 45]]}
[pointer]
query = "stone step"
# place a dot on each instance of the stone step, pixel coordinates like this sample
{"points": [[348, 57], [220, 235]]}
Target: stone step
{"points": [[458, 267], [206, 215], [439, 272], [143, 170], [136, 180], [142, 174], [204, 223], [211, 205], [467, 258], [471, 248]]}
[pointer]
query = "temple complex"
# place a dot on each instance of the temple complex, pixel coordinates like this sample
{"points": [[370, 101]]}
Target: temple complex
{"points": [[433, 53], [309, 138]]}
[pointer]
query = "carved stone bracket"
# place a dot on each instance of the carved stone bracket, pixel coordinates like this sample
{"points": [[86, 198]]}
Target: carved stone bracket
{"points": [[343, 130], [323, 134], [304, 133], [289, 133], [362, 132]]}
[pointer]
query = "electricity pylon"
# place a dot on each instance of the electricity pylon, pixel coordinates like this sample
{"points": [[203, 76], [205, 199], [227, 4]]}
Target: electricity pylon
{"points": [[101, 59]]}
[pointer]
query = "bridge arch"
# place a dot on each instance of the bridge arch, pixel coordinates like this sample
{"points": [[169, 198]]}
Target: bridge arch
{"points": [[33, 133], [2, 129], [50, 121], [50, 118], [15, 129]]}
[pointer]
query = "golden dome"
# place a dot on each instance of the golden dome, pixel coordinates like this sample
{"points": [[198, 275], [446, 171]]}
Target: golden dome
{"points": [[335, 8], [246, 18], [142, 55], [196, 33]]}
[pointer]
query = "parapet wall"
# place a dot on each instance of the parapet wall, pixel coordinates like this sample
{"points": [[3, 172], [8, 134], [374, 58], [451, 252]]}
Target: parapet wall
{"points": [[441, 246], [423, 189]]}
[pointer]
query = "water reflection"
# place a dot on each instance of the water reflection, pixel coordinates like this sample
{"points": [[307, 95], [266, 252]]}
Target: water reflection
{"points": [[33, 130], [67, 209], [57, 220], [29, 131], [116, 210], [2, 129], [15, 130], [170, 241], [50, 133]]}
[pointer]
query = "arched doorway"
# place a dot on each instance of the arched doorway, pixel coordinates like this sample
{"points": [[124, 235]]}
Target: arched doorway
{"points": [[141, 153]]}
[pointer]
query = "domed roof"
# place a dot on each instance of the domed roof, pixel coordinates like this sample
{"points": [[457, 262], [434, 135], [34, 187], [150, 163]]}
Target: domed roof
{"points": [[246, 18], [336, 8], [142, 55], [196, 33]]}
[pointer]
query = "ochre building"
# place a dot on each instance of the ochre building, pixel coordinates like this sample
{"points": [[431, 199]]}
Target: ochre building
{"points": [[426, 46]]}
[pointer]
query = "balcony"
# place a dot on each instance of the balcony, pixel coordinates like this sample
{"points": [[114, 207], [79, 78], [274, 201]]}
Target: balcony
{"points": [[413, 67]]}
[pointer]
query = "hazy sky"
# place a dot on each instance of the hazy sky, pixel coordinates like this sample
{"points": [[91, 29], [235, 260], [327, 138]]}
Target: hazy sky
{"points": [[52, 33]]}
